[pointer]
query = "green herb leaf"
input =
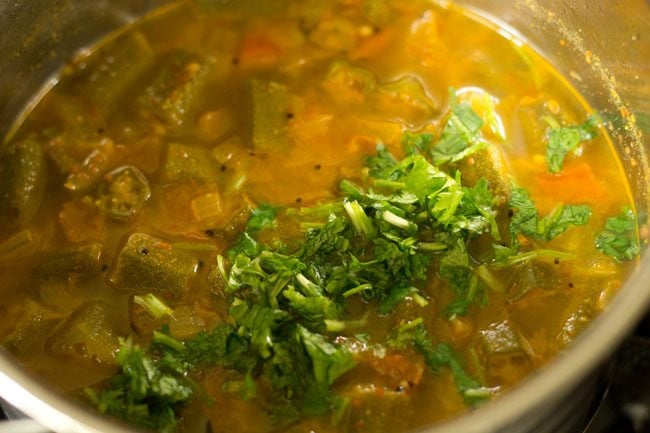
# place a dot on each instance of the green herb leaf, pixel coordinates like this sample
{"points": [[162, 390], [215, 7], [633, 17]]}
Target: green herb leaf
{"points": [[261, 217], [619, 239], [142, 393], [561, 219], [259, 324], [436, 357], [153, 305], [563, 140], [396, 296], [417, 144], [328, 361], [460, 136], [526, 221]]}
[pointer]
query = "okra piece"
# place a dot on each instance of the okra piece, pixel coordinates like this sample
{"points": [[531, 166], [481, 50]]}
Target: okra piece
{"points": [[123, 193], [186, 163], [32, 329], [499, 338], [147, 264], [86, 174], [129, 59], [575, 323], [349, 84], [488, 164], [409, 93], [70, 147], [83, 260], [22, 181], [375, 408], [177, 90], [87, 334], [270, 107]]}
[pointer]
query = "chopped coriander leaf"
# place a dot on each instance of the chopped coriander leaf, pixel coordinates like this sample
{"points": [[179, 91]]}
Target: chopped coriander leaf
{"points": [[454, 265], [416, 144], [382, 165], [395, 220], [261, 217], [258, 325], [562, 218], [460, 136], [503, 253], [325, 240], [437, 356], [619, 239], [164, 339], [505, 257], [246, 245], [154, 306], [525, 217], [328, 361], [421, 178], [564, 139], [303, 367], [359, 219], [484, 274], [396, 296], [457, 307], [526, 221], [143, 393], [316, 310]]}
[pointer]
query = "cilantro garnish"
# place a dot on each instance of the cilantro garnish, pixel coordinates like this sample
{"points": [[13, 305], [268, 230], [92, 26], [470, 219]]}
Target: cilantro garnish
{"points": [[438, 356], [565, 139], [526, 220], [619, 240], [144, 393], [460, 137], [261, 217]]}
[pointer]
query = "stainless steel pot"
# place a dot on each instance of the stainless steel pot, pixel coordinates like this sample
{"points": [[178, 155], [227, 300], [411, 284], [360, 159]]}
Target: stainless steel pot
{"points": [[602, 46]]}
